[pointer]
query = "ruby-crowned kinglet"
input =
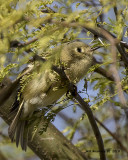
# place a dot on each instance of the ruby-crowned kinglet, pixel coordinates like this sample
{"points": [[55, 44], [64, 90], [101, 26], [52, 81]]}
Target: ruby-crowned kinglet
{"points": [[46, 87]]}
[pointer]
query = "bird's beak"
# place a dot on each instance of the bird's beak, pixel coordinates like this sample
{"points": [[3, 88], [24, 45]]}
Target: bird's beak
{"points": [[95, 48]]}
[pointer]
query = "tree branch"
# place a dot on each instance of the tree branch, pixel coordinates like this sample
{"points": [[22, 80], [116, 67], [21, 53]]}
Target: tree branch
{"points": [[87, 109], [51, 144], [94, 126]]}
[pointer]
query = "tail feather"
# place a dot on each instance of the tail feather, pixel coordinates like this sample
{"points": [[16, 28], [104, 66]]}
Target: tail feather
{"points": [[13, 126], [18, 128], [18, 133], [24, 136]]}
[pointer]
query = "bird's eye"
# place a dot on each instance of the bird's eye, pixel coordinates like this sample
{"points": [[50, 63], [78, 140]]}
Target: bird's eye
{"points": [[79, 49]]}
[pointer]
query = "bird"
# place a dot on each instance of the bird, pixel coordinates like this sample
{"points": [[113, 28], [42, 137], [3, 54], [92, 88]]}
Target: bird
{"points": [[42, 86]]}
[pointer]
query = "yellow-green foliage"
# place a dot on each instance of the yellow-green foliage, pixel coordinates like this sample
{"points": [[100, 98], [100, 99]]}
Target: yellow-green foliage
{"points": [[29, 27], [5, 70]]}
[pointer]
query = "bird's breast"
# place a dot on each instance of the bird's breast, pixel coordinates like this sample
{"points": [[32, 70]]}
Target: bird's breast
{"points": [[77, 70]]}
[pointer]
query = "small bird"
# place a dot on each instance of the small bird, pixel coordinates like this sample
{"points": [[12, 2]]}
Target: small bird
{"points": [[45, 86]]}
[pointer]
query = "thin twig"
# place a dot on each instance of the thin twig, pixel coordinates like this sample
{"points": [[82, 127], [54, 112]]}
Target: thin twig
{"points": [[113, 135], [16, 43], [104, 73], [115, 11], [124, 44]]}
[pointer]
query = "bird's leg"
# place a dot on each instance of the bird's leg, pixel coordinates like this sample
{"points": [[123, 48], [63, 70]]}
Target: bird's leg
{"points": [[72, 91]]}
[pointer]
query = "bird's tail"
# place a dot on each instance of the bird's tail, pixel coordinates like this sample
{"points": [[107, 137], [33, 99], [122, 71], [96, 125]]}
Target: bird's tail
{"points": [[18, 129]]}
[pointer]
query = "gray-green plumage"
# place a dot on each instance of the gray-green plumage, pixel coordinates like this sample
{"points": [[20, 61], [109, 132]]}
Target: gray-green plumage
{"points": [[46, 88]]}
